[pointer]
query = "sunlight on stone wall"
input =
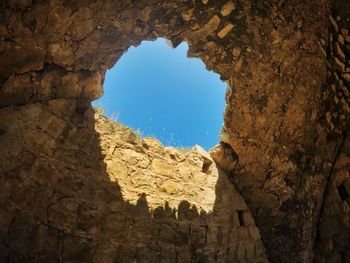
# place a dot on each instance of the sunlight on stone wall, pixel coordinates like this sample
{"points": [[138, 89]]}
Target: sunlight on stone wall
{"points": [[163, 174]]}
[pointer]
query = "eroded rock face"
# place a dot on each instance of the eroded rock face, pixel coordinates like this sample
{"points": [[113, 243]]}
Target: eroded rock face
{"points": [[284, 121]]}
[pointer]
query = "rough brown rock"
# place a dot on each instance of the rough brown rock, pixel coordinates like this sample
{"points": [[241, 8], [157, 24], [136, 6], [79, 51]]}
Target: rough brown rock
{"points": [[287, 115]]}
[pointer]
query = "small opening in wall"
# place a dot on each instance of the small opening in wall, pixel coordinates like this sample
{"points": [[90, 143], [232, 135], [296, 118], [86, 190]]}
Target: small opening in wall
{"points": [[160, 92], [240, 217], [343, 193]]}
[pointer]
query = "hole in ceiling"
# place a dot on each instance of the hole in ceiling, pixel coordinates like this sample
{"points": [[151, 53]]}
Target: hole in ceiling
{"points": [[160, 92]]}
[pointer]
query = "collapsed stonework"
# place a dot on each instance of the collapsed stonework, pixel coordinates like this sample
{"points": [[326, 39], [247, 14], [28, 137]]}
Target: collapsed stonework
{"points": [[65, 196]]}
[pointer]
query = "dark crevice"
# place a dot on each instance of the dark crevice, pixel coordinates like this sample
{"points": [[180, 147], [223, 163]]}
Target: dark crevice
{"points": [[2, 131], [343, 193], [240, 217]]}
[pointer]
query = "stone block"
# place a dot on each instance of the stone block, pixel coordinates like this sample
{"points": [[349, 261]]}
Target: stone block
{"points": [[227, 28], [161, 167], [227, 8]]}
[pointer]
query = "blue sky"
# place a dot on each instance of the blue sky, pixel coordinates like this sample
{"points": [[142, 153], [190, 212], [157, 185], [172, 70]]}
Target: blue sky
{"points": [[165, 94]]}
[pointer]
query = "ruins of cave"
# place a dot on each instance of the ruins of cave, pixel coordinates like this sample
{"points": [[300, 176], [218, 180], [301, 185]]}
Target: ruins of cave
{"points": [[78, 187]]}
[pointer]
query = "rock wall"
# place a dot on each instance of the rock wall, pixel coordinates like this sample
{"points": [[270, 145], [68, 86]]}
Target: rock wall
{"points": [[332, 240], [72, 192], [334, 227], [285, 119]]}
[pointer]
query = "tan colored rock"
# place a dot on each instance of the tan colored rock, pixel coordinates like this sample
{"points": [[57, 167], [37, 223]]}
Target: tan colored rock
{"points": [[161, 167], [153, 144], [346, 77], [334, 23], [208, 28], [135, 158], [171, 187], [239, 64], [236, 52], [186, 16], [92, 85], [227, 8], [341, 39], [207, 159], [223, 32], [173, 153], [116, 170], [61, 53], [340, 53], [225, 156], [201, 152], [339, 64]]}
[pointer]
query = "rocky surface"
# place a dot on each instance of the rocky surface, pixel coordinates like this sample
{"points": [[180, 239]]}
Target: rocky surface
{"points": [[72, 192], [334, 226], [286, 118]]}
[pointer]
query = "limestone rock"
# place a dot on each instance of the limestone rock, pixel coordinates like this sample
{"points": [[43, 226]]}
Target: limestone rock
{"points": [[207, 159], [340, 53], [227, 8], [161, 167], [186, 16], [223, 32], [225, 156], [346, 77], [208, 28], [236, 52], [334, 23], [339, 64]]}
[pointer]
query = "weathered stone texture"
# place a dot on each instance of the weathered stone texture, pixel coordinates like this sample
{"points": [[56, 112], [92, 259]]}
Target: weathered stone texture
{"points": [[72, 192], [334, 227], [286, 64]]}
